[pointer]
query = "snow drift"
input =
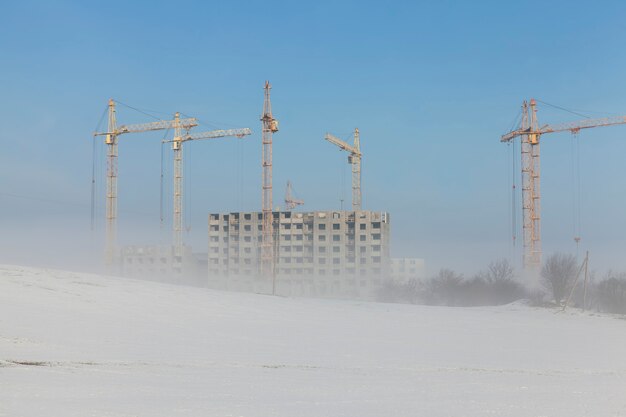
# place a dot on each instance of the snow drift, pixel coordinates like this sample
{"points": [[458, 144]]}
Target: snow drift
{"points": [[85, 345]]}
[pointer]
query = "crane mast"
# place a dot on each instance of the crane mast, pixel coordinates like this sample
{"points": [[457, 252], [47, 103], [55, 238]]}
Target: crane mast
{"points": [[354, 159], [177, 147], [531, 197], [111, 187], [530, 134], [178, 191], [269, 127], [111, 140]]}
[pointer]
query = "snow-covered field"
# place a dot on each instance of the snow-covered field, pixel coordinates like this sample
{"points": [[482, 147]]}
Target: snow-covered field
{"points": [[83, 345]]}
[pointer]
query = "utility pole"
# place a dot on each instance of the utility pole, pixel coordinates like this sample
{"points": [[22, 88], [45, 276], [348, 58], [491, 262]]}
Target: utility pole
{"points": [[586, 281], [585, 266]]}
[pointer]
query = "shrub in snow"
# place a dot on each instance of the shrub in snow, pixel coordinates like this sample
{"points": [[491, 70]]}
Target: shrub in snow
{"points": [[558, 275], [610, 294]]}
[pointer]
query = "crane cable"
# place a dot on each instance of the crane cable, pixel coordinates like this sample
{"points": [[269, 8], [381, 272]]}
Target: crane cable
{"points": [[564, 109], [162, 191], [211, 124], [238, 176], [144, 112], [575, 175], [161, 186], [96, 165], [186, 189], [578, 112], [342, 195], [166, 186], [242, 172], [346, 138], [512, 176], [513, 196], [576, 190], [94, 170]]}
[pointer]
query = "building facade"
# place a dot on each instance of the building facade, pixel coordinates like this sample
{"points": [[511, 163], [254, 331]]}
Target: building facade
{"points": [[322, 253], [159, 263], [404, 270]]}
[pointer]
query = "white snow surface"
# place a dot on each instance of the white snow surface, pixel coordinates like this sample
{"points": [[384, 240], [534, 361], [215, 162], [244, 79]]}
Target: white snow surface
{"points": [[74, 344]]}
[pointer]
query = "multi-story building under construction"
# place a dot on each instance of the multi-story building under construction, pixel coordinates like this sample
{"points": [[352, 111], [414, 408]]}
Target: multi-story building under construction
{"points": [[161, 263], [321, 253]]}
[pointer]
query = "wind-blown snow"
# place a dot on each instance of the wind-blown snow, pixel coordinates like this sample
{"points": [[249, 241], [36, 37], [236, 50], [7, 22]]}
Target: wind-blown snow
{"points": [[84, 345]]}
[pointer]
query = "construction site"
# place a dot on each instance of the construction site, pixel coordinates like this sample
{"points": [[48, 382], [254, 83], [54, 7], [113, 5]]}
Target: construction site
{"points": [[331, 253], [303, 209], [291, 251]]}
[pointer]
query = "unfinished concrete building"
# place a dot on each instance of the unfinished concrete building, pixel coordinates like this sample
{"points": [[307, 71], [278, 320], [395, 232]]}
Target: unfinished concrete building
{"points": [[404, 270], [322, 253], [159, 263]]}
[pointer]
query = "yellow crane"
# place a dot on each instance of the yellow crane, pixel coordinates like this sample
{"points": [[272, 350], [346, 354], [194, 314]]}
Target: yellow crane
{"points": [[291, 202], [355, 160], [111, 138], [177, 147], [269, 127], [530, 133]]}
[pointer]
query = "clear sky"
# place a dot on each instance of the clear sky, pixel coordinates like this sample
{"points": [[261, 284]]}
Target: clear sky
{"points": [[430, 85]]}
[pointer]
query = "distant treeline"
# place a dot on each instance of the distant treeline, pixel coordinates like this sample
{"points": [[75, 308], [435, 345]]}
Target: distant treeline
{"points": [[497, 285]]}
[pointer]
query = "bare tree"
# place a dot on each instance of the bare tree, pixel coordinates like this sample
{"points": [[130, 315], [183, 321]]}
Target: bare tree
{"points": [[445, 288], [499, 271], [494, 286], [558, 275], [611, 293]]}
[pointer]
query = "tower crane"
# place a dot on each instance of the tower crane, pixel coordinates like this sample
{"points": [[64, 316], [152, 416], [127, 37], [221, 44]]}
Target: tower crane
{"points": [[355, 160], [530, 133], [291, 202], [177, 147], [111, 136], [270, 126]]}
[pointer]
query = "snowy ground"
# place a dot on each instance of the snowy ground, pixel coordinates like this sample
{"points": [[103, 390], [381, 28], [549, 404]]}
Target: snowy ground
{"points": [[82, 345]]}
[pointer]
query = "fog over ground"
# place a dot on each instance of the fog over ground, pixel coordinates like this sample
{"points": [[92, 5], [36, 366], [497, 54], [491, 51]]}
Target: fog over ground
{"points": [[431, 86], [61, 241]]}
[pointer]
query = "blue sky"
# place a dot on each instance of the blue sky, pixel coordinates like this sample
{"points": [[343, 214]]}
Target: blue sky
{"points": [[430, 85]]}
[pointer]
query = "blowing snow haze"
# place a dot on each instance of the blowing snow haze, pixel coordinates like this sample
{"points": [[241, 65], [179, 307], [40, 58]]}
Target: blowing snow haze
{"points": [[349, 208]]}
